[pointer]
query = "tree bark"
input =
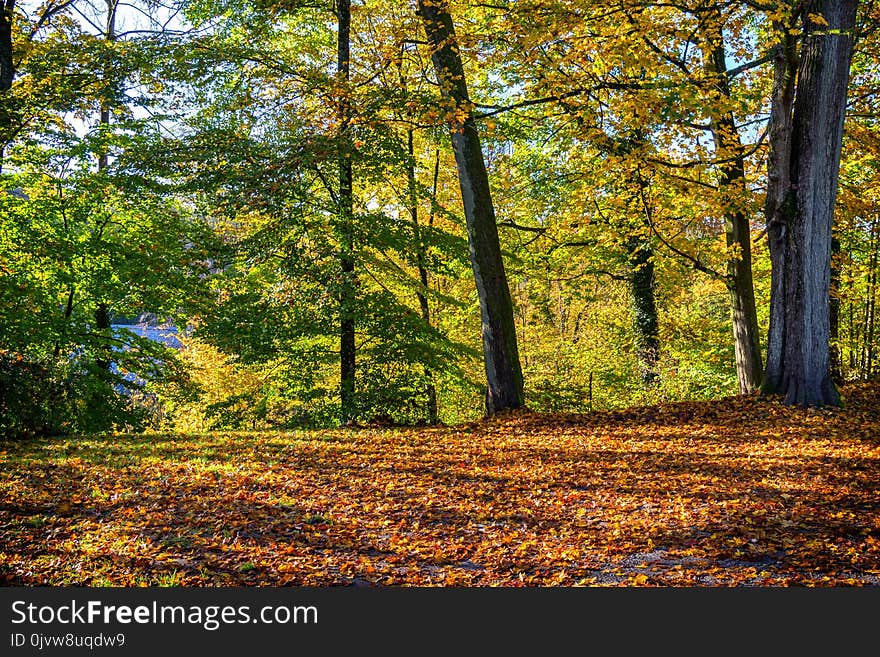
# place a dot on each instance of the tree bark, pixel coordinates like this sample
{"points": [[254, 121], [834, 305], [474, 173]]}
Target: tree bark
{"points": [[640, 263], [430, 389], [785, 65], [500, 354], [102, 325], [640, 257], [871, 300], [347, 291], [834, 315], [730, 153], [801, 355], [7, 74], [7, 63], [104, 116], [102, 312]]}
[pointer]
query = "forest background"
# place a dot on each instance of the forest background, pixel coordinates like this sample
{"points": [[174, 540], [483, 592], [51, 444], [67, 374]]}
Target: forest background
{"points": [[272, 187]]}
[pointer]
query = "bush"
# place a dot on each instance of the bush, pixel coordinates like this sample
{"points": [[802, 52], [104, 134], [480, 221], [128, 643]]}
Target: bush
{"points": [[26, 391], [39, 398]]}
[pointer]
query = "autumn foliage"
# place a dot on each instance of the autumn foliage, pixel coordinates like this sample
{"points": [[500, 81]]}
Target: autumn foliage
{"points": [[737, 492]]}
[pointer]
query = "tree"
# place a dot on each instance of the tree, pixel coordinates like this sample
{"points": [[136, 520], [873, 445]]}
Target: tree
{"points": [[7, 61], [803, 187], [15, 45], [730, 154], [102, 311], [345, 198], [86, 228], [7, 73], [503, 372], [300, 170]]}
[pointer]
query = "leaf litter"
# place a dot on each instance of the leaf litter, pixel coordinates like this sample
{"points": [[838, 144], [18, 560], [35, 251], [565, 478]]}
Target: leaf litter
{"points": [[736, 492]]}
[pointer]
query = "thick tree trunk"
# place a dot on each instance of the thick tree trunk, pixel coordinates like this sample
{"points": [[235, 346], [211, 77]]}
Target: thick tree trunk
{"points": [[785, 65], [730, 153], [804, 375], [640, 266], [640, 257], [347, 344], [503, 371]]}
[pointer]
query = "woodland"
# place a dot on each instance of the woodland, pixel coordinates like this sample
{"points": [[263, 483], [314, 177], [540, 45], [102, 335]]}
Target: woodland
{"points": [[439, 292]]}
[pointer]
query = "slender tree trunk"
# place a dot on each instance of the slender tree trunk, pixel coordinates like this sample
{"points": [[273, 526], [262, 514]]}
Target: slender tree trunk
{"points": [[640, 257], [102, 324], [421, 294], [68, 311], [853, 337], [102, 312], [7, 63], [347, 344], [834, 314], [104, 117], [7, 74], [501, 356], [804, 376], [730, 152], [864, 320], [871, 300]]}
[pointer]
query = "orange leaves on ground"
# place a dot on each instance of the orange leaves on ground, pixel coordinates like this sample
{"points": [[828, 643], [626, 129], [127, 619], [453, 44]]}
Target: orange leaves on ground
{"points": [[734, 492]]}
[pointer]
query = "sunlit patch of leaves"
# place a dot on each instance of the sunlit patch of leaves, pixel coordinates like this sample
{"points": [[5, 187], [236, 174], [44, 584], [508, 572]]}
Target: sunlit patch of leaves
{"points": [[738, 492]]}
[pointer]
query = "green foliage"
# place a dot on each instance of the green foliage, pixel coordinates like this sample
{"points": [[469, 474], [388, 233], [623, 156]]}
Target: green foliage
{"points": [[64, 397], [218, 211]]}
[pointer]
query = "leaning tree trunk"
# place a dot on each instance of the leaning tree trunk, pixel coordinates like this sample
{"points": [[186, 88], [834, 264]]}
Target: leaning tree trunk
{"points": [[730, 152], [500, 354], [800, 355], [422, 292], [347, 344]]}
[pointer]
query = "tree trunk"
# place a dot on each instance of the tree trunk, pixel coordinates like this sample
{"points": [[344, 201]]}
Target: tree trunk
{"points": [[871, 300], [104, 118], [804, 374], [102, 312], [7, 63], [500, 353], [853, 337], [421, 294], [347, 345], [640, 265], [785, 65], [640, 257], [834, 314], [7, 74], [730, 153], [102, 325]]}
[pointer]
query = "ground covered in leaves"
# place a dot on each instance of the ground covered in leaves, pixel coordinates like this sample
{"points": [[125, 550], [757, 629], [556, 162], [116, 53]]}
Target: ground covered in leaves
{"points": [[738, 492]]}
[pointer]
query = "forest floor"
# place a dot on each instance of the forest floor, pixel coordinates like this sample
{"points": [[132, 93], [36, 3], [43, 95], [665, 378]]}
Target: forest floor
{"points": [[735, 492]]}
